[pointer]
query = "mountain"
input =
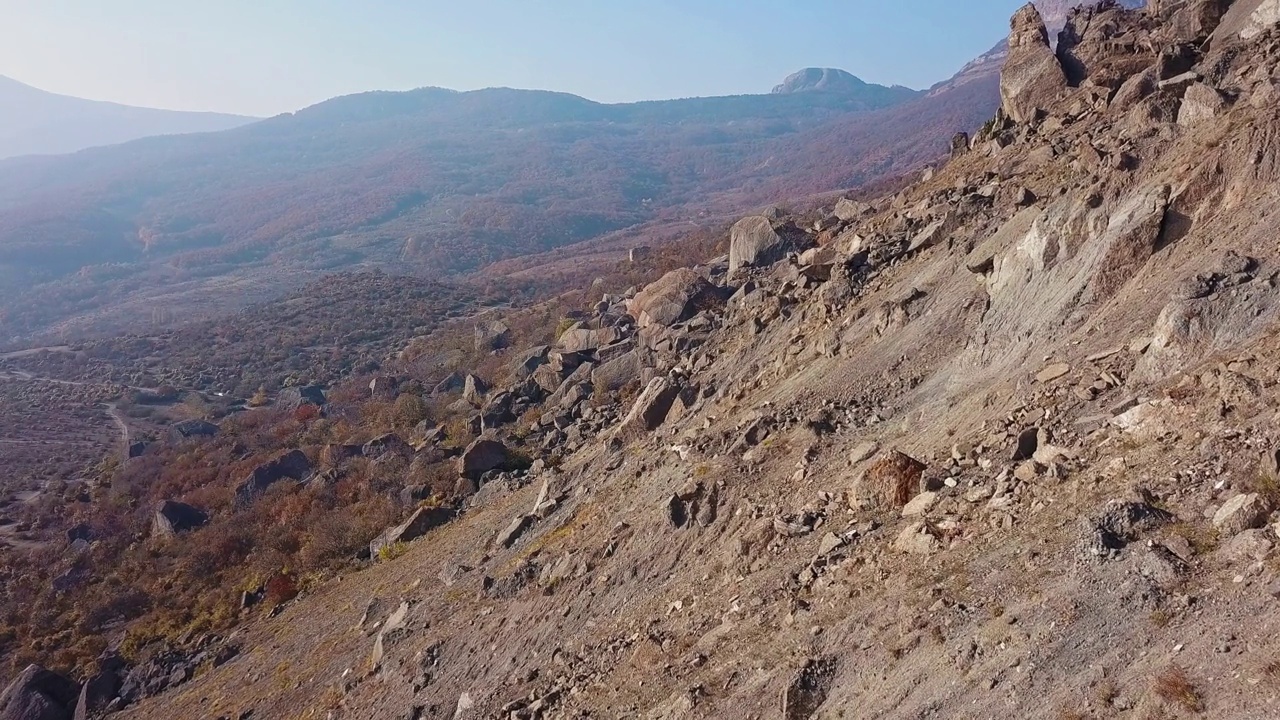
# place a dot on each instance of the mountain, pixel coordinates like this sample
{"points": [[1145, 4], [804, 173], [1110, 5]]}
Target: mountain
{"points": [[998, 443], [821, 79], [431, 182], [35, 122]]}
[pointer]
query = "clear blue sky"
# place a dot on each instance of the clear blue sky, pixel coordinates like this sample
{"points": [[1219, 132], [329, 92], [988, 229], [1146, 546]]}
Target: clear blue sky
{"points": [[263, 57]]}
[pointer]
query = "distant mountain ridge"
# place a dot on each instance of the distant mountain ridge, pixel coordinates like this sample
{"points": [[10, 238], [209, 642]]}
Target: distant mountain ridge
{"points": [[431, 182], [35, 122], [821, 79]]}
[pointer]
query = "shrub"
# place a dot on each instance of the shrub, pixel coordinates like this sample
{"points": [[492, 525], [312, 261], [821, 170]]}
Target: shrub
{"points": [[1174, 687], [281, 589]]}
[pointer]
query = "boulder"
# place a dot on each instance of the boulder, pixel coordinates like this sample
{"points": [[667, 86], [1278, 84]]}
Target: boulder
{"points": [[1199, 103], [293, 465], [473, 389], [618, 372], [97, 694], [1032, 78], [891, 481], [383, 444], [295, 397], [675, 297], [491, 336], [850, 210], [754, 242], [172, 518], [1240, 513], [531, 361], [38, 694], [580, 339], [191, 430], [334, 455], [917, 538], [453, 382], [384, 387], [482, 456], [422, 521], [651, 408]]}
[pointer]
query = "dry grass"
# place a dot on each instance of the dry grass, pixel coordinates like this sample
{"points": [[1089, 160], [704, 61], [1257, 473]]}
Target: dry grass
{"points": [[1174, 687]]}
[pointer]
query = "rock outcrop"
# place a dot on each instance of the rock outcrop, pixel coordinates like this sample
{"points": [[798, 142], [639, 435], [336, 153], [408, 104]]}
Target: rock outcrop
{"points": [[292, 465], [1032, 79], [173, 518], [38, 694], [753, 241]]}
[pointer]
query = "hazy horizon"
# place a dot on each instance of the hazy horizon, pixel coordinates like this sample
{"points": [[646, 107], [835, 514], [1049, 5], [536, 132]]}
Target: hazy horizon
{"points": [[241, 58]]}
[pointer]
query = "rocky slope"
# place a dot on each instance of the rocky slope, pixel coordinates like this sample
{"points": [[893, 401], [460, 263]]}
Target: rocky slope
{"points": [[999, 445]]}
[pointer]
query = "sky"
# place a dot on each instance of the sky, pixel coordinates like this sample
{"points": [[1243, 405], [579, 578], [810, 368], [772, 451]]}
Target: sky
{"points": [[264, 57]]}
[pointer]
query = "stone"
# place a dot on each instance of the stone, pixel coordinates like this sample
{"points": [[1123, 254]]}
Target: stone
{"points": [[651, 408], [292, 465], [481, 456], [850, 210], [1032, 78], [920, 505], [491, 336], [928, 237], [192, 430], [916, 539], [295, 397], [754, 242], [384, 444], [39, 694], [97, 694], [617, 373], [473, 390], [1028, 443], [829, 544], [422, 521], [1052, 372], [863, 451], [173, 518], [1200, 103], [580, 339], [514, 530], [1240, 513], [673, 298], [1027, 471], [1249, 546], [891, 481], [384, 388]]}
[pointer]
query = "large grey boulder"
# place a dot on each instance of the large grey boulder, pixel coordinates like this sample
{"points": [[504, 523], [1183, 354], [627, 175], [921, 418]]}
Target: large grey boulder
{"points": [[1032, 78], [38, 694], [674, 297], [295, 397], [754, 242], [618, 372], [173, 518], [482, 456]]}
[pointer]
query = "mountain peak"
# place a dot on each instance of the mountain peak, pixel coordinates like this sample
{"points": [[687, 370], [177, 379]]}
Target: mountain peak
{"points": [[820, 79]]}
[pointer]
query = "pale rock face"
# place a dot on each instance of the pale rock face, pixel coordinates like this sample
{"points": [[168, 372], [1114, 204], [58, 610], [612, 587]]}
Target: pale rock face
{"points": [[754, 242], [1032, 78]]}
